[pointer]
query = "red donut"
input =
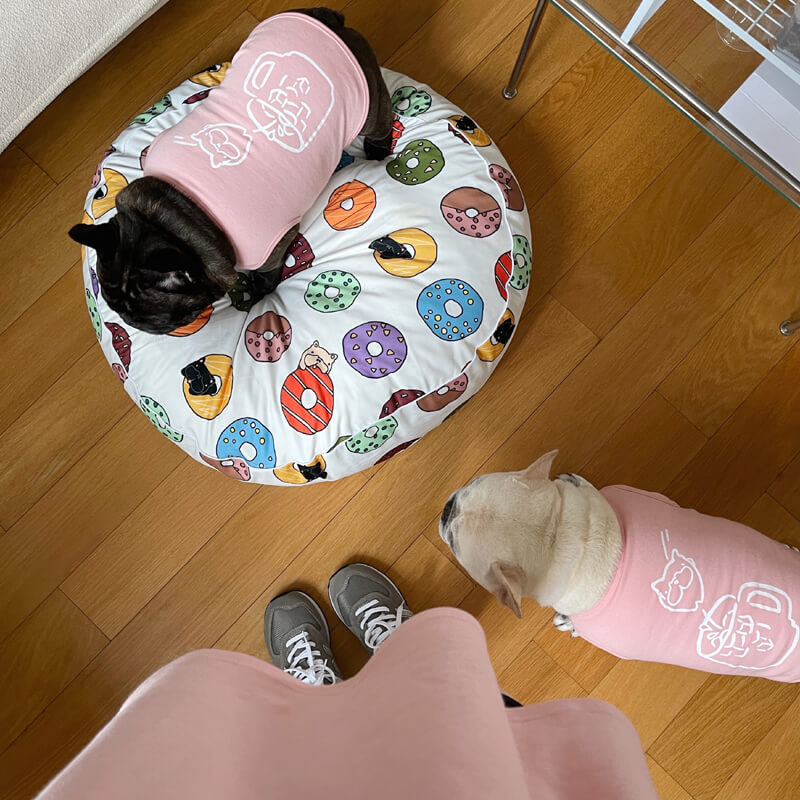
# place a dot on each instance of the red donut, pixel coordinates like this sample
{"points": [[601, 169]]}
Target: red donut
{"points": [[307, 400], [397, 132], [121, 342], [472, 212], [400, 398], [299, 257], [503, 270]]}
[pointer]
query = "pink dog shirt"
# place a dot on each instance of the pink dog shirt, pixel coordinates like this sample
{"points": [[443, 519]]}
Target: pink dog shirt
{"points": [[697, 591], [256, 154]]}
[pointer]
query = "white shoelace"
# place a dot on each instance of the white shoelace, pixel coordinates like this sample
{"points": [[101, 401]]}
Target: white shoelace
{"points": [[379, 621], [307, 664]]}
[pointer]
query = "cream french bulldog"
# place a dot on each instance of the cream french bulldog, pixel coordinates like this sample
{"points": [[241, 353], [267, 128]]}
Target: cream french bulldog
{"points": [[631, 571]]}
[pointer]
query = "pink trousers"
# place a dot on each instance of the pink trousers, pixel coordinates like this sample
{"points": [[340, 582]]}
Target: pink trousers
{"points": [[423, 719]]}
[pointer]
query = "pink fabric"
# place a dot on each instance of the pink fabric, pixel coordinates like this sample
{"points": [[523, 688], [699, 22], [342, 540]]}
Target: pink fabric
{"points": [[423, 719], [697, 591], [258, 151]]}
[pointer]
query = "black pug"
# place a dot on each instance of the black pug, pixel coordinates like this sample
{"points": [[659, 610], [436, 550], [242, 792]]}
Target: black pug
{"points": [[162, 259]]}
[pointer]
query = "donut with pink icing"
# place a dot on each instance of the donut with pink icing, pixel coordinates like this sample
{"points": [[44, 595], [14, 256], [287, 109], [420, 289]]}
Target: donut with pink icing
{"points": [[444, 395], [235, 468], [374, 349], [508, 183], [299, 257], [268, 337], [472, 212]]}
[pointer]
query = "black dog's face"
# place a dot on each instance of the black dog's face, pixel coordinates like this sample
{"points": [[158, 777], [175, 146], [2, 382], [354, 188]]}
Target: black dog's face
{"points": [[148, 261]]}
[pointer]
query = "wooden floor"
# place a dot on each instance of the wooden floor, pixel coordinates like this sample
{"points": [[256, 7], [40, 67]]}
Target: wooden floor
{"points": [[648, 353]]}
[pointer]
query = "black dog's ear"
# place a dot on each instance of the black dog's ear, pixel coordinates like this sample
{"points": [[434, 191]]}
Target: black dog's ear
{"points": [[102, 238]]}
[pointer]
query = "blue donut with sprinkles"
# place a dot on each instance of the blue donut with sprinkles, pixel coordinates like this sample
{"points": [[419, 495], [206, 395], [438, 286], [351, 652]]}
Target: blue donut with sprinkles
{"points": [[452, 309], [249, 439]]}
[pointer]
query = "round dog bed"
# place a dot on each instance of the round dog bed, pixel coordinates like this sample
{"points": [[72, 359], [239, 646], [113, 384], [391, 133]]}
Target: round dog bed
{"points": [[397, 301]]}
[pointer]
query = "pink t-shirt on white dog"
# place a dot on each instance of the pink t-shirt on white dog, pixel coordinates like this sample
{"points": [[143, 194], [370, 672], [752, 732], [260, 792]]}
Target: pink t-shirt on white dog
{"points": [[697, 591], [256, 153]]}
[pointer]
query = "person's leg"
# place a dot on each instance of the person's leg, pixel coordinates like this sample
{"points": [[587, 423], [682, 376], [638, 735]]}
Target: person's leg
{"points": [[298, 639], [368, 603]]}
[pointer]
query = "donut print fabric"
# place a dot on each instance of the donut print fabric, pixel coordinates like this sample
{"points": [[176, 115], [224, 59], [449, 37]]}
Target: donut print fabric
{"points": [[397, 301]]}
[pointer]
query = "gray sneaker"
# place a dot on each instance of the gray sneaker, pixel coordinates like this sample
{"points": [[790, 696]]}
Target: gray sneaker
{"points": [[298, 639], [368, 603]]}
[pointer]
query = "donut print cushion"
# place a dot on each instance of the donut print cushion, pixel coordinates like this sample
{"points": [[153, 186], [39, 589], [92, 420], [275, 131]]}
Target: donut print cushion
{"points": [[397, 301]]}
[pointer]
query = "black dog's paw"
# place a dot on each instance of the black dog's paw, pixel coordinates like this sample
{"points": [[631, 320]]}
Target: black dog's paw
{"points": [[377, 150]]}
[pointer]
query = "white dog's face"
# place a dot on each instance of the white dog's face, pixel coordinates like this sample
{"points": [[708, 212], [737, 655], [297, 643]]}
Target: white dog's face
{"points": [[502, 528]]}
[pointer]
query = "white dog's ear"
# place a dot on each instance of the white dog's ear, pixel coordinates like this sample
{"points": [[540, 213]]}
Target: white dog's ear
{"points": [[539, 470], [509, 586]]}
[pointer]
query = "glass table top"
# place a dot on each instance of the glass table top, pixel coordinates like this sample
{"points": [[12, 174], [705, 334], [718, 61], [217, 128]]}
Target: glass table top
{"points": [[681, 54]]}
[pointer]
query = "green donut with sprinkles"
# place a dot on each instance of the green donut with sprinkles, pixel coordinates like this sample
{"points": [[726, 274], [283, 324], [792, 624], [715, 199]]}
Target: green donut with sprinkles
{"points": [[408, 101], [420, 161], [94, 314], [373, 437], [523, 261], [334, 290], [155, 412]]}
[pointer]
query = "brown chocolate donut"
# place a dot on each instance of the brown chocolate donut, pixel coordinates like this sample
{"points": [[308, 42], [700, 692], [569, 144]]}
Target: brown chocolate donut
{"points": [[444, 395], [472, 212]]}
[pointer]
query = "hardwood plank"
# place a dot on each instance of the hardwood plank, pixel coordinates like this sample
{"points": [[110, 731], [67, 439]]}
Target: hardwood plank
{"points": [[786, 487], [394, 26], [764, 773], [650, 448], [667, 787], [46, 357], [53, 434], [601, 184], [455, 22], [112, 91], [772, 519], [583, 662], [42, 656], [78, 513], [24, 185], [191, 611], [650, 695], [167, 529], [394, 522], [569, 117], [533, 677], [739, 351], [266, 8], [39, 241], [754, 445], [673, 210], [625, 367], [724, 721]]}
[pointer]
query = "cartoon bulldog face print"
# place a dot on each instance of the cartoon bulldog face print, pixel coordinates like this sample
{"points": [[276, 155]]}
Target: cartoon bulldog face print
{"points": [[319, 357], [680, 587]]}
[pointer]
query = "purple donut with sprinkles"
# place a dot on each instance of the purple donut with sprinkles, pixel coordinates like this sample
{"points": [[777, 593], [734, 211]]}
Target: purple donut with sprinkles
{"points": [[374, 349]]}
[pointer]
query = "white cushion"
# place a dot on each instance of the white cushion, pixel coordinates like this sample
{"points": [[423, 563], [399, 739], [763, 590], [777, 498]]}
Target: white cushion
{"points": [[362, 355]]}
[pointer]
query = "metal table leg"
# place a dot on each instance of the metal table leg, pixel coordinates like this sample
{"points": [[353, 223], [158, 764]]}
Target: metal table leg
{"points": [[510, 89], [789, 326]]}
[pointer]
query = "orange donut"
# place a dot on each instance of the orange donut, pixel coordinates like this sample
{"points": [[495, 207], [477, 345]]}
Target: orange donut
{"points": [[350, 205], [194, 325]]}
